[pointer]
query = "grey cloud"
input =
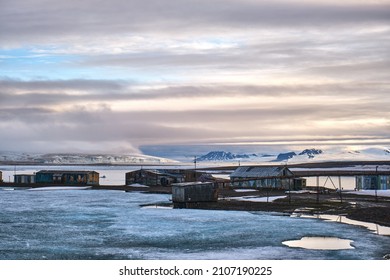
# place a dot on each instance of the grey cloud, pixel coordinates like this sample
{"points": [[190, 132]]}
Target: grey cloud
{"points": [[30, 94], [81, 124], [372, 70], [365, 54], [15, 93], [81, 84], [39, 19]]}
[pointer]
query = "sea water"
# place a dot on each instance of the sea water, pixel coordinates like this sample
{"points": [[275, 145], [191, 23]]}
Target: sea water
{"points": [[107, 224]]}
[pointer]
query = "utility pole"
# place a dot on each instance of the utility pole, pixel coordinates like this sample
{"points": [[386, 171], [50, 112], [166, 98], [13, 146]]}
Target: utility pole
{"points": [[196, 177], [318, 189], [377, 184]]}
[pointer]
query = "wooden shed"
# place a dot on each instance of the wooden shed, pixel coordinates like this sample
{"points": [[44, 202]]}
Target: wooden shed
{"points": [[194, 192], [162, 177], [67, 177], [153, 177]]}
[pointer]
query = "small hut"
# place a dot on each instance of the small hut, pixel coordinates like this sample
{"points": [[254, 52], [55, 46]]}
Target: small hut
{"points": [[193, 193]]}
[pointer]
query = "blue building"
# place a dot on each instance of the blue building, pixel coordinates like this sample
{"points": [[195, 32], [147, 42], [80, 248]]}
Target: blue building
{"points": [[67, 177], [373, 182]]}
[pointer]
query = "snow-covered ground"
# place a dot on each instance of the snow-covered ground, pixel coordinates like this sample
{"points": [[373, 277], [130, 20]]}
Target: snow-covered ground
{"points": [[136, 185], [256, 198], [245, 190], [385, 193], [61, 188]]}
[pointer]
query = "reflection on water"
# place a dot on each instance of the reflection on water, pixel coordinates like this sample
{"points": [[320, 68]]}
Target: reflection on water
{"points": [[157, 207], [375, 228], [378, 229], [320, 243]]}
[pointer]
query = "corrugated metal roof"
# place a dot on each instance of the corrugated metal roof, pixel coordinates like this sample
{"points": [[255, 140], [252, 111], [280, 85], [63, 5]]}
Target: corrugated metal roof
{"points": [[260, 172]]}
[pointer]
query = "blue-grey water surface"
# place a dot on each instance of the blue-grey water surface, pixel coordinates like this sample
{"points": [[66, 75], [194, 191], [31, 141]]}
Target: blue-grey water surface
{"points": [[103, 224]]}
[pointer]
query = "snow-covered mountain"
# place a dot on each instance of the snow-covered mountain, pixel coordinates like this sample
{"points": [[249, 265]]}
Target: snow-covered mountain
{"points": [[225, 156], [285, 156], [338, 155], [305, 155], [297, 156], [311, 153], [7, 157]]}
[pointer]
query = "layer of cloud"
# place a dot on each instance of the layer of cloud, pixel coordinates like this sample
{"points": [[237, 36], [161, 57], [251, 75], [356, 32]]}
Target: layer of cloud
{"points": [[36, 110], [38, 19], [122, 74]]}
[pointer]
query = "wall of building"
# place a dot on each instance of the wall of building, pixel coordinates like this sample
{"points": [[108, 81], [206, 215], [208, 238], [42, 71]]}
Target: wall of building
{"points": [[197, 192], [152, 178], [372, 182], [24, 179], [72, 178], [265, 183]]}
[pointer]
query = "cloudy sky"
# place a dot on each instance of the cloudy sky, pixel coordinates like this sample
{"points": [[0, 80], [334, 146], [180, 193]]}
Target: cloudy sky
{"points": [[128, 75]]}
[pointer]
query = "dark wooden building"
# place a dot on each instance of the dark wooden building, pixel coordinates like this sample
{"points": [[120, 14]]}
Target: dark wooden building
{"points": [[161, 177], [67, 177], [194, 192], [264, 177]]}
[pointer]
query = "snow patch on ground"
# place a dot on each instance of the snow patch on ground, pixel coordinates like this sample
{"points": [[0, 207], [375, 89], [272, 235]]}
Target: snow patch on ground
{"points": [[138, 186], [385, 193], [256, 198], [245, 190]]}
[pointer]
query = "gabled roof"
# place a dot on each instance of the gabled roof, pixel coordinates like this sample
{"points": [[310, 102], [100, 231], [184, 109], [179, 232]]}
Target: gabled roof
{"points": [[261, 172]]}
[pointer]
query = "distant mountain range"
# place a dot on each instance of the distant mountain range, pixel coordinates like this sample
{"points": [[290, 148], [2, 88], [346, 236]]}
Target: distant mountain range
{"points": [[305, 155], [8, 157], [224, 156], [310, 153], [228, 156], [300, 156]]}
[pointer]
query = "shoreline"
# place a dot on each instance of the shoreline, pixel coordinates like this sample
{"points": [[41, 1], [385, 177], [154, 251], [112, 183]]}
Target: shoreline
{"points": [[358, 207]]}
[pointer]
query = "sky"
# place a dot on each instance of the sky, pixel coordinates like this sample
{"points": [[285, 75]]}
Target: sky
{"points": [[131, 76]]}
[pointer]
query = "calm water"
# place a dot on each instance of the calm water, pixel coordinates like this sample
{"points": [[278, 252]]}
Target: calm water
{"points": [[99, 224]]}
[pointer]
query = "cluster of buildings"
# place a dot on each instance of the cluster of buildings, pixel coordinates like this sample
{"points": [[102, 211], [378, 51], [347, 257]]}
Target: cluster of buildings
{"points": [[191, 187], [243, 177]]}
